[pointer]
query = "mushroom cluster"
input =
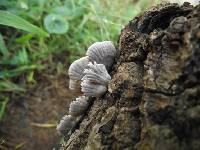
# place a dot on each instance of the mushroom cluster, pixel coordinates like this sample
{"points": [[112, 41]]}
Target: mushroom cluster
{"points": [[88, 76]]}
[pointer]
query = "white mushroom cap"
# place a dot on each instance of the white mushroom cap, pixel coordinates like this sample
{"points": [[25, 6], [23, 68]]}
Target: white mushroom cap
{"points": [[79, 106], [102, 53], [97, 73], [74, 85], [76, 73], [77, 67], [91, 89], [95, 81], [66, 124]]}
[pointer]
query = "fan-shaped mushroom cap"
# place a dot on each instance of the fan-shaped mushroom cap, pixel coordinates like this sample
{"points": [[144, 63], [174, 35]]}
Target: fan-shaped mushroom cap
{"points": [[79, 106], [102, 53], [66, 124], [90, 89], [95, 81], [97, 73], [76, 73], [77, 67], [74, 85]]}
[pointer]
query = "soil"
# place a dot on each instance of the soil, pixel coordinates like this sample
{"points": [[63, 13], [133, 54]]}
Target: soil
{"points": [[31, 118]]}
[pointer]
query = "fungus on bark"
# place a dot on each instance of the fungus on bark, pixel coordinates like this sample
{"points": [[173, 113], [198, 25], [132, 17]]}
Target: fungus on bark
{"points": [[76, 73], [89, 75], [66, 124], [96, 80], [102, 53], [79, 106]]}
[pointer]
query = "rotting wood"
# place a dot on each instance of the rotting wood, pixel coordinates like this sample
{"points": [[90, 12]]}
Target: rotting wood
{"points": [[153, 99]]}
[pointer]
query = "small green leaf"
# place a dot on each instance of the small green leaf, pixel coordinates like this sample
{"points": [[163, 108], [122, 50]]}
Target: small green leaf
{"points": [[12, 20], [21, 58], [56, 24], [68, 12], [64, 11], [3, 48], [35, 13]]}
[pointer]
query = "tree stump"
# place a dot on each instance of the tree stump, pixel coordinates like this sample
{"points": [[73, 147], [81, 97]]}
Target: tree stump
{"points": [[153, 99]]}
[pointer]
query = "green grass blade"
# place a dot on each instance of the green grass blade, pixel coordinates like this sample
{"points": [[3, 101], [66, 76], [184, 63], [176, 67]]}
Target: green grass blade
{"points": [[3, 48], [8, 86], [3, 107], [18, 71], [12, 20]]}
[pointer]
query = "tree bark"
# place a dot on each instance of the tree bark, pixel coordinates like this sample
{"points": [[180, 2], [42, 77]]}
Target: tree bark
{"points": [[153, 99]]}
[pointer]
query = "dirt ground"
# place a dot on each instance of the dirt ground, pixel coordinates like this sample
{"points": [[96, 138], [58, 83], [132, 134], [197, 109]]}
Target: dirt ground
{"points": [[31, 120]]}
